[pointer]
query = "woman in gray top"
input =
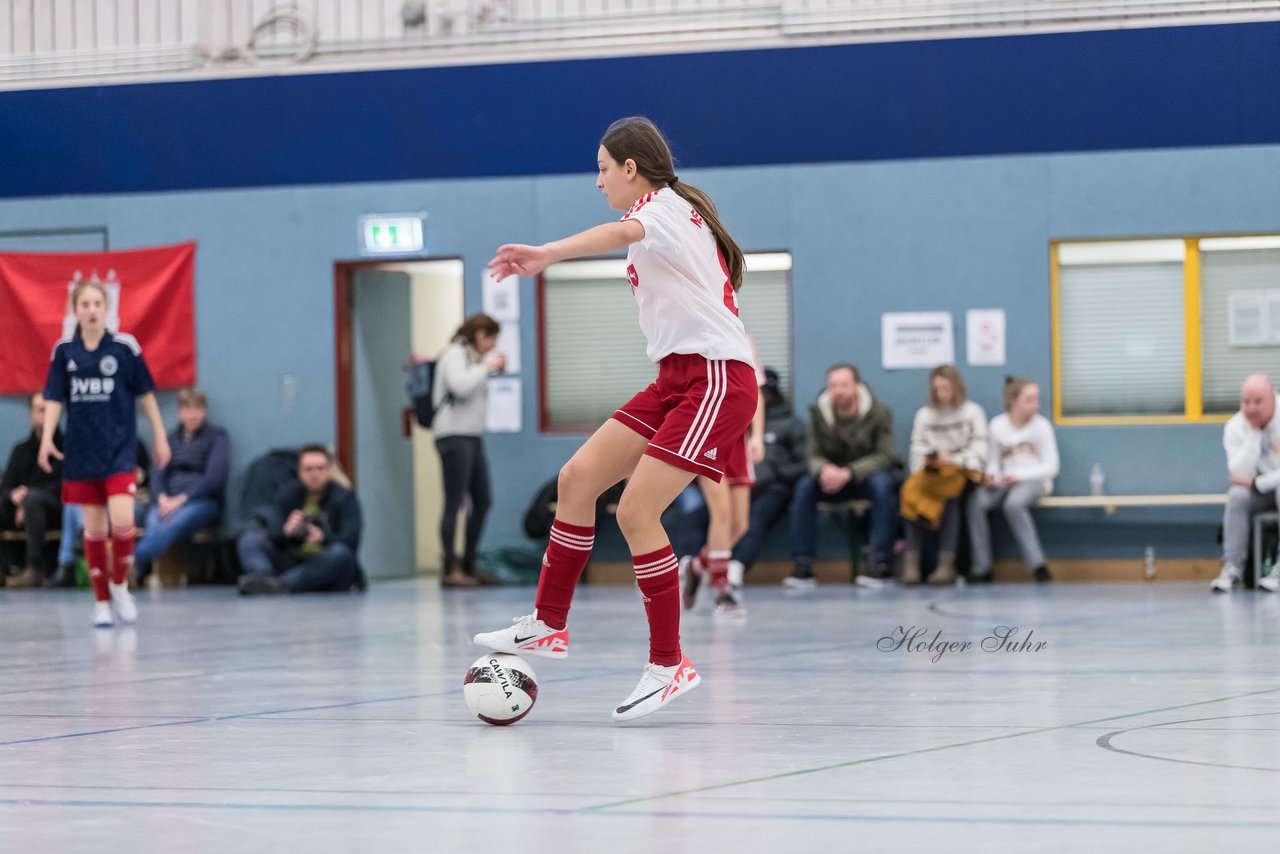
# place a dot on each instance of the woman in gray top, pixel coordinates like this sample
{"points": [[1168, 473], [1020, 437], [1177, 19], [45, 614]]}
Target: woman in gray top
{"points": [[460, 392]]}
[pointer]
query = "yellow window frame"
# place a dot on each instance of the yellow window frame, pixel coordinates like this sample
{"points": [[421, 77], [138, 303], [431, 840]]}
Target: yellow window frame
{"points": [[1194, 391]]}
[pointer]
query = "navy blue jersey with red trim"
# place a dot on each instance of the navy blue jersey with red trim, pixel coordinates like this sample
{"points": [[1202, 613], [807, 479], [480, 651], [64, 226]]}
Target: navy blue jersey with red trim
{"points": [[99, 389]]}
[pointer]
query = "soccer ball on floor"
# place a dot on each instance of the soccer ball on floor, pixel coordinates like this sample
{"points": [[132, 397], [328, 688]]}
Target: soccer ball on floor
{"points": [[500, 688]]}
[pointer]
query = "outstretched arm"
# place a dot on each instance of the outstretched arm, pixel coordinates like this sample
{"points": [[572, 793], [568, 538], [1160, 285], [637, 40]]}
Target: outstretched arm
{"points": [[518, 259]]}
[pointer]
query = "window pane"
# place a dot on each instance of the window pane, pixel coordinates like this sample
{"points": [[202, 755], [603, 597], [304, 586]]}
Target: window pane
{"points": [[1240, 319], [595, 352], [1121, 327]]}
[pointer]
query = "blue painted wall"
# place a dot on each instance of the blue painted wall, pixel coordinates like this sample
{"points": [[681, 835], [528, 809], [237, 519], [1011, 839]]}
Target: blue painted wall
{"points": [[887, 229]]}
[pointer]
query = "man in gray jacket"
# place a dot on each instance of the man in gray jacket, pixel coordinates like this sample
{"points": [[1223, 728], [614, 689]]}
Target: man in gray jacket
{"points": [[850, 456], [1252, 442]]}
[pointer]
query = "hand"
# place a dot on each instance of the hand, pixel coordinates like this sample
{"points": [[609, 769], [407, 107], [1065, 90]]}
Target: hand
{"points": [[755, 449], [1241, 480], [990, 480], [167, 504], [834, 478], [1010, 480], [517, 259], [294, 523], [161, 455], [47, 451], [943, 458], [496, 363], [17, 494], [314, 535], [20, 518]]}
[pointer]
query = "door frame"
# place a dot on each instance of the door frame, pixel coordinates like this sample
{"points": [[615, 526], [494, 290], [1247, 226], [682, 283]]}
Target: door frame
{"points": [[344, 339]]}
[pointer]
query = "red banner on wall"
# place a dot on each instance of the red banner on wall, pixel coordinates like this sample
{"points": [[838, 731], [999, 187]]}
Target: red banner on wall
{"points": [[149, 296]]}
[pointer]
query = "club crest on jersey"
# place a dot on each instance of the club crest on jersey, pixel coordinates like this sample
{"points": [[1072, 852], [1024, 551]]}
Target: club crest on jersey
{"points": [[108, 366], [695, 218]]}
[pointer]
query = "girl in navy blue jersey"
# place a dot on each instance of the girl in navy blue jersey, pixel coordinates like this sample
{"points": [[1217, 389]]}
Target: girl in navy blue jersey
{"points": [[99, 375]]}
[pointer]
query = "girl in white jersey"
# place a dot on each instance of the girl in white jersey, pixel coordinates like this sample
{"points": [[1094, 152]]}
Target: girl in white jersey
{"points": [[684, 270]]}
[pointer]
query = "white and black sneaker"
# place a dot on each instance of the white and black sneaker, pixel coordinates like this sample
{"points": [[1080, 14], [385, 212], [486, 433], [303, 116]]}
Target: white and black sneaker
{"points": [[1227, 580], [1270, 583], [729, 603], [658, 686], [529, 636]]}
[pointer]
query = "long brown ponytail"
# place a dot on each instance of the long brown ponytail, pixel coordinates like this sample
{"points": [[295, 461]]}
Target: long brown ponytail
{"points": [[637, 138]]}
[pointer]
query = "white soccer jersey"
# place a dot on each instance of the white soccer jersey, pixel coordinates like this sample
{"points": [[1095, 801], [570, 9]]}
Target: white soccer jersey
{"points": [[680, 282]]}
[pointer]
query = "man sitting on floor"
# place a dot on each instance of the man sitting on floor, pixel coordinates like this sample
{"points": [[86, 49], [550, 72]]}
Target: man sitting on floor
{"points": [[310, 543]]}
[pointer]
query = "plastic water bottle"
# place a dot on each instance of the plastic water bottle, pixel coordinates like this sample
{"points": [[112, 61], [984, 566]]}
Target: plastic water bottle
{"points": [[1149, 565], [1097, 480]]}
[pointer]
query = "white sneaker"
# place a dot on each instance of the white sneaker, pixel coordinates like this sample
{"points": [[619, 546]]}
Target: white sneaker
{"points": [[799, 582], [1227, 580], [1270, 583], [529, 636], [102, 618], [737, 572], [122, 602], [657, 687]]}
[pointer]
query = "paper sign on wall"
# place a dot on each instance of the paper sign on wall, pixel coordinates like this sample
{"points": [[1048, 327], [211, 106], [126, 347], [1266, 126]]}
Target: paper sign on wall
{"points": [[917, 339], [984, 336], [502, 414], [509, 344], [501, 300]]}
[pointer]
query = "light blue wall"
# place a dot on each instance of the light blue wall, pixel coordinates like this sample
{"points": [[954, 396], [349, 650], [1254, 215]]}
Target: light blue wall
{"points": [[866, 238]]}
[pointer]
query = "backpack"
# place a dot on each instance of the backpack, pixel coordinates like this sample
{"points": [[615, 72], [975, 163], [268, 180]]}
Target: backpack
{"points": [[421, 388], [422, 377]]}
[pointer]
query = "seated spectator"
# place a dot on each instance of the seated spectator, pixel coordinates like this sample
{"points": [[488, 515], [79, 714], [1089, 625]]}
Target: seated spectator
{"points": [[72, 543], [948, 452], [1022, 462], [187, 494], [776, 475], [850, 455], [1252, 442], [31, 499], [310, 542]]}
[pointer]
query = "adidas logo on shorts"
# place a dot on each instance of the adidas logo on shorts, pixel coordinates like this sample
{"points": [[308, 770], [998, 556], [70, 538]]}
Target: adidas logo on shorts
{"points": [[711, 454]]}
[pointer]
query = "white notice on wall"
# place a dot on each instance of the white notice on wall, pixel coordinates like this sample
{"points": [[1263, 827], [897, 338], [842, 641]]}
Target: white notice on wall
{"points": [[917, 339], [502, 415], [984, 336], [501, 300], [509, 344]]}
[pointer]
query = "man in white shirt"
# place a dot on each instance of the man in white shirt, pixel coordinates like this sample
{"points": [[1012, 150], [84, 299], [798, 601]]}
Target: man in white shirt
{"points": [[1252, 442]]}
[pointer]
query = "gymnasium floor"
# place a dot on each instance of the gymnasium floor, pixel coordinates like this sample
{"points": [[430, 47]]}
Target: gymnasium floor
{"points": [[334, 724]]}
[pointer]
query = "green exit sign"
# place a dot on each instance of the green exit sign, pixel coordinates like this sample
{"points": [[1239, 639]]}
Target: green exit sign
{"points": [[392, 234]]}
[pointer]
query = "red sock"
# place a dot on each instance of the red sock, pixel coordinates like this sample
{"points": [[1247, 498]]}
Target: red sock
{"points": [[122, 553], [95, 554], [717, 564], [657, 575], [568, 549]]}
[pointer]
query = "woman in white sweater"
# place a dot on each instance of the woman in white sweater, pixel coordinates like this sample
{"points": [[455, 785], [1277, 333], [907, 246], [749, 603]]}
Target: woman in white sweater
{"points": [[460, 393], [1021, 466], [948, 451]]}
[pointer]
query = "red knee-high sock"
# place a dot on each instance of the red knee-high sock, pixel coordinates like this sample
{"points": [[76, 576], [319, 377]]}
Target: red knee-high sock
{"points": [[95, 555], [717, 564], [122, 553], [656, 573], [568, 549]]}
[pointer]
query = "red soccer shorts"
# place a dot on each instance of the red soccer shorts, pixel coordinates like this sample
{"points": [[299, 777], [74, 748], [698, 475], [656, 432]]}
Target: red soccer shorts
{"points": [[96, 492], [740, 471], [695, 414]]}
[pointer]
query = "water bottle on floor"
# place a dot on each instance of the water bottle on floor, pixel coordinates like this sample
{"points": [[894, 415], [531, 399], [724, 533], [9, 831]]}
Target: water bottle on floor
{"points": [[1149, 565]]}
